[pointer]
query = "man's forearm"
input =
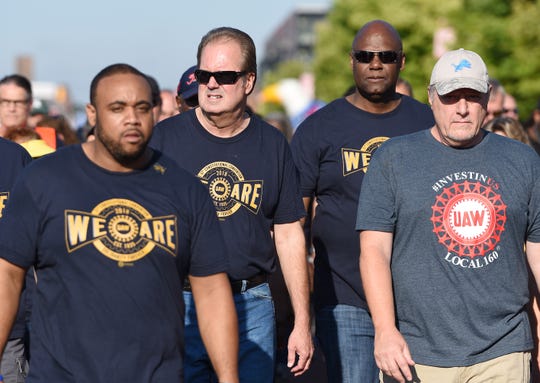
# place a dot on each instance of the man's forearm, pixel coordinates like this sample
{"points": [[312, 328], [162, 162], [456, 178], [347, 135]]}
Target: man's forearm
{"points": [[218, 323], [533, 257], [290, 246], [11, 283], [391, 351], [376, 277]]}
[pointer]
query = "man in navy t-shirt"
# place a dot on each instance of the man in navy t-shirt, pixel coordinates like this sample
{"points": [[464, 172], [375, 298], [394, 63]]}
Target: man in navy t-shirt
{"points": [[112, 228], [248, 169], [15, 106], [332, 149], [14, 365]]}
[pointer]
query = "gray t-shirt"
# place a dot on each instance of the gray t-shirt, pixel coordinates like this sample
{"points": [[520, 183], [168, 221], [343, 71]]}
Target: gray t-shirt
{"points": [[459, 218]]}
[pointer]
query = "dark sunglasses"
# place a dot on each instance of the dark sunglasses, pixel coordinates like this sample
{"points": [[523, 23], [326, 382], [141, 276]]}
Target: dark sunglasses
{"points": [[226, 77], [386, 57]]}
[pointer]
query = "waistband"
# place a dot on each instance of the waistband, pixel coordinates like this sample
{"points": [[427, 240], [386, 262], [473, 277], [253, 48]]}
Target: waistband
{"points": [[241, 285]]}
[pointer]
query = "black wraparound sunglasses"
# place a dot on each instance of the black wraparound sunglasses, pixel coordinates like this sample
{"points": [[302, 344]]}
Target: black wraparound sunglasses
{"points": [[226, 77], [386, 57]]}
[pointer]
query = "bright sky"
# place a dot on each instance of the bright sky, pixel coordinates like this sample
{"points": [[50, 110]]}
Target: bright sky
{"points": [[72, 40]]}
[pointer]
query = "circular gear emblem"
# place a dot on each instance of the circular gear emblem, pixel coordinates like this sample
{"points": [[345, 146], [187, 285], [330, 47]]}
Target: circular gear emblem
{"points": [[220, 189], [122, 220], [220, 178], [370, 146], [468, 218]]}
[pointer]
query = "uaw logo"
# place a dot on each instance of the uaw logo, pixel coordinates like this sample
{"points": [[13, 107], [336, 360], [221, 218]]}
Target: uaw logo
{"points": [[121, 230], [3, 199], [468, 219], [354, 160], [229, 190]]}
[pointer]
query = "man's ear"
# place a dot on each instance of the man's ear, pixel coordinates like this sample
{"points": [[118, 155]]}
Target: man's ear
{"points": [[91, 114], [402, 66], [430, 95], [250, 83]]}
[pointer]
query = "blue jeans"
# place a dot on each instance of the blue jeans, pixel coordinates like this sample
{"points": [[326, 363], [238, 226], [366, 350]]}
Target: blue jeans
{"points": [[256, 328], [346, 335]]}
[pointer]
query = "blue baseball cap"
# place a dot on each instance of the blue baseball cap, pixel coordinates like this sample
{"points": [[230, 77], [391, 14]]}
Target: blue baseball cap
{"points": [[188, 85]]}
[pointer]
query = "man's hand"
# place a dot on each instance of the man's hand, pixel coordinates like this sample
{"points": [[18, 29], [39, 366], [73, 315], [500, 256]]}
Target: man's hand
{"points": [[290, 246], [11, 284], [300, 346], [392, 355]]}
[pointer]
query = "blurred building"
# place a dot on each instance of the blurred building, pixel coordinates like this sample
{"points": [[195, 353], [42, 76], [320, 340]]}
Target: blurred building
{"points": [[25, 66], [50, 97], [55, 95], [294, 39]]}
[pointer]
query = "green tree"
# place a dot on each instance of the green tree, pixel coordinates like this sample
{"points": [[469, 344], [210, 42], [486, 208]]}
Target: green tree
{"points": [[506, 33]]}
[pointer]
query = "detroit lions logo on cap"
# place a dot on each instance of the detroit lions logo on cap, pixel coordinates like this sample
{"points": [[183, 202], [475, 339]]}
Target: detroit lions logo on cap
{"points": [[462, 65]]}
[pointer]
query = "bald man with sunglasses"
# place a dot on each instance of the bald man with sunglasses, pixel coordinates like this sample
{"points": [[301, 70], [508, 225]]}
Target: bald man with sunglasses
{"points": [[332, 149], [247, 166]]}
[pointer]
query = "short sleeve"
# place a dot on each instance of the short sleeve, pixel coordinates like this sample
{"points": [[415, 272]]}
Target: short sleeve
{"points": [[19, 227], [533, 215], [376, 202], [207, 248], [290, 207], [305, 153]]}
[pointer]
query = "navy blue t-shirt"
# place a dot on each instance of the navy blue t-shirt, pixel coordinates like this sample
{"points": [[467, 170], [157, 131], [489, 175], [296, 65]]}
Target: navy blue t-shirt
{"points": [[14, 157], [251, 178], [110, 252], [332, 149]]}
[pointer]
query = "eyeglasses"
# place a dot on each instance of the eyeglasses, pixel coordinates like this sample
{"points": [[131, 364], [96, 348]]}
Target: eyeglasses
{"points": [[516, 111], [386, 57], [226, 77], [496, 113], [17, 103]]}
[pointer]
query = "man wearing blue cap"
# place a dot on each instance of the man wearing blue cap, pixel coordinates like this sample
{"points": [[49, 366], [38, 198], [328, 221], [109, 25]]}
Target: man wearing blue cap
{"points": [[444, 215], [187, 90]]}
